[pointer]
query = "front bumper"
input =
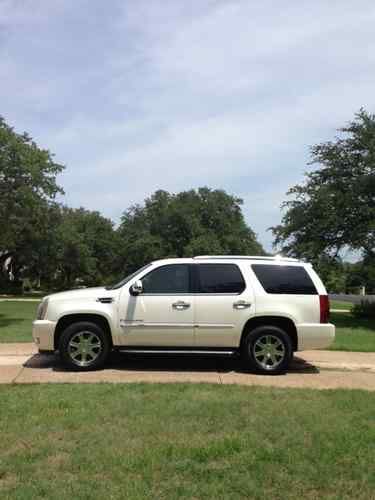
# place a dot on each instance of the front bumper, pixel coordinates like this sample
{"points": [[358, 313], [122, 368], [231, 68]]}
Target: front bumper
{"points": [[43, 334], [315, 336]]}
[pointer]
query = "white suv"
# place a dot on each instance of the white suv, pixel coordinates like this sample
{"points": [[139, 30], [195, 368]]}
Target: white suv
{"points": [[263, 308]]}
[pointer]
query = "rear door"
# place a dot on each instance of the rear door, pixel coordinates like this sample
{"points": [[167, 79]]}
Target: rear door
{"points": [[223, 303]]}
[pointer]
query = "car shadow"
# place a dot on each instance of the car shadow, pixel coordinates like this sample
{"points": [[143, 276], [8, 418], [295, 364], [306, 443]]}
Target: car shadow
{"points": [[345, 320], [120, 361]]}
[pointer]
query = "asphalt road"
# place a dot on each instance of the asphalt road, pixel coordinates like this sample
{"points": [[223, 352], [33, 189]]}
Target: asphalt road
{"points": [[352, 299]]}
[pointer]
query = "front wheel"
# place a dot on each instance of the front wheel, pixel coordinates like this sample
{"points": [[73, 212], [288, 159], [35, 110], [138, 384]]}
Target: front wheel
{"points": [[267, 349], [84, 346]]}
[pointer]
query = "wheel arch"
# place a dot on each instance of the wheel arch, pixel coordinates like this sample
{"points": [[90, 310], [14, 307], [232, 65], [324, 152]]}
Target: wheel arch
{"points": [[282, 322], [69, 319]]}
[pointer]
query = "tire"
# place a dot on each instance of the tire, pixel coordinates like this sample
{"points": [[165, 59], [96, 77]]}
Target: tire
{"points": [[267, 350], [84, 346]]}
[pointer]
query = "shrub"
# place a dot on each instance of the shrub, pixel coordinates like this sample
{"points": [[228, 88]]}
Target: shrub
{"points": [[365, 309]]}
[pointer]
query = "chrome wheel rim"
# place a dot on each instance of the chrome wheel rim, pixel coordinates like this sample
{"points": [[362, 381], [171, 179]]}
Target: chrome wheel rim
{"points": [[269, 352], [84, 348]]}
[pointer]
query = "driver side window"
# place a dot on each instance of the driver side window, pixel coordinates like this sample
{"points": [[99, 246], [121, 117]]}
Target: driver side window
{"points": [[169, 279]]}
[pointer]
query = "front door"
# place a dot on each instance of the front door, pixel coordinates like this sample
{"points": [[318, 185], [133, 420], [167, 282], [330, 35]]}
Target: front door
{"points": [[163, 314], [222, 304]]}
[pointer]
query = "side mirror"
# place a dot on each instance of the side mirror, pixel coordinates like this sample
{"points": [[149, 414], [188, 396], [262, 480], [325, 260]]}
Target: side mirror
{"points": [[136, 288]]}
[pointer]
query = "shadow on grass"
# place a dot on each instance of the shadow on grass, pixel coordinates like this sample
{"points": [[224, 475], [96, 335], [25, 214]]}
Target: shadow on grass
{"points": [[162, 363], [6, 321], [345, 320]]}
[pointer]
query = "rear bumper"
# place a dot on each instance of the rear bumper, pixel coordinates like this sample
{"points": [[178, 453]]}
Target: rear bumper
{"points": [[315, 336], [43, 334]]}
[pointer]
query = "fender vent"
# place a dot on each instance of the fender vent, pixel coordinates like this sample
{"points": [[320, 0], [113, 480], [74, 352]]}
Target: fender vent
{"points": [[105, 300]]}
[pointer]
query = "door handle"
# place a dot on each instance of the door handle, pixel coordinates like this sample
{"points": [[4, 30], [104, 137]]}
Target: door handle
{"points": [[180, 305], [241, 304]]}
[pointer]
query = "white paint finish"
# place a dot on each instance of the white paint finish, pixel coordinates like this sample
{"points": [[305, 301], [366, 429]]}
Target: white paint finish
{"points": [[315, 336], [43, 332], [316, 280], [298, 308], [216, 321], [162, 324]]}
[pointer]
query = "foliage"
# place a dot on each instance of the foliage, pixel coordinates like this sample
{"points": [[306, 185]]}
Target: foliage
{"points": [[335, 207], [333, 273], [365, 309], [27, 188], [362, 274], [84, 248], [185, 224]]}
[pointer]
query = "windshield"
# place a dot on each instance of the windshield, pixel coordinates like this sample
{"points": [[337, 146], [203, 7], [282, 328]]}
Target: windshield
{"points": [[127, 279]]}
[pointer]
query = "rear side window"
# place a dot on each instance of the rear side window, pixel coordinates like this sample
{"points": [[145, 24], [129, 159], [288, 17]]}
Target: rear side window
{"points": [[284, 279], [219, 278]]}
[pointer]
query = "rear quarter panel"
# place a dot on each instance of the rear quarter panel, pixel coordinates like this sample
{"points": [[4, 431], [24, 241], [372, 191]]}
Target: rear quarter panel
{"points": [[298, 308]]}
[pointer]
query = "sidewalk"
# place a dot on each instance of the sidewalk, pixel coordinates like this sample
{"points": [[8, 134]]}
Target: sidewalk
{"points": [[20, 364]]}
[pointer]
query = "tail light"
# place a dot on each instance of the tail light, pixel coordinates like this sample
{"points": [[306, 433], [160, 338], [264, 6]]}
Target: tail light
{"points": [[324, 308]]}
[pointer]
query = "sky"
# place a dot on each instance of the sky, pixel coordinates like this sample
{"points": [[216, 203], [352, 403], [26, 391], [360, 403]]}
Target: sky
{"points": [[138, 95]]}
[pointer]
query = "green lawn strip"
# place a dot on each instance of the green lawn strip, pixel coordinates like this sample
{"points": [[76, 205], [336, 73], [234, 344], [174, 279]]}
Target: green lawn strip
{"points": [[176, 441], [15, 320], [335, 304], [353, 334]]}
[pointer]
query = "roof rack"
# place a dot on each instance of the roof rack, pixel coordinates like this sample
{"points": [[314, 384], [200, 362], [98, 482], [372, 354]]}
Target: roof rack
{"points": [[246, 257]]}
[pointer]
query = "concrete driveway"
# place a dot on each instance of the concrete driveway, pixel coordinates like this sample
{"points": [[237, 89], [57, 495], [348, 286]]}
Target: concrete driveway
{"points": [[20, 364]]}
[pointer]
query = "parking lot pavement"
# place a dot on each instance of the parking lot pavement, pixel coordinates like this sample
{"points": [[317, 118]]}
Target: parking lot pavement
{"points": [[20, 364]]}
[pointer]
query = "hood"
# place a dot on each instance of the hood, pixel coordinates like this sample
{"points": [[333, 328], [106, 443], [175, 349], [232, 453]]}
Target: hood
{"points": [[84, 293]]}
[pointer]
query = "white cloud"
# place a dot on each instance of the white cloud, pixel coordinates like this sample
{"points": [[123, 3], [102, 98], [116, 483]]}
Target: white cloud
{"points": [[155, 94]]}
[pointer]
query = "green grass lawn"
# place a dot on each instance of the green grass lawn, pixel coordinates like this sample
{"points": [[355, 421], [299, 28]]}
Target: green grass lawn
{"points": [[335, 304], [175, 441], [15, 321], [351, 334]]}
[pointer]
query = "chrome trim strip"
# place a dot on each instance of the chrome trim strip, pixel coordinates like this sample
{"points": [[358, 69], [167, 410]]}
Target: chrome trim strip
{"points": [[200, 294], [178, 351], [138, 324], [213, 325], [142, 324]]}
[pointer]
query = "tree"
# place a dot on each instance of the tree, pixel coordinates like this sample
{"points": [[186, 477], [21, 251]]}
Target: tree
{"points": [[335, 207], [361, 274], [182, 225], [83, 247], [27, 189]]}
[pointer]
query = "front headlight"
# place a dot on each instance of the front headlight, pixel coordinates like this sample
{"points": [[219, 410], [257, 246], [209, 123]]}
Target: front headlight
{"points": [[42, 309]]}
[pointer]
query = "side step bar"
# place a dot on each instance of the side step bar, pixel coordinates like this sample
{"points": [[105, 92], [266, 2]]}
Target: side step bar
{"points": [[177, 351]]}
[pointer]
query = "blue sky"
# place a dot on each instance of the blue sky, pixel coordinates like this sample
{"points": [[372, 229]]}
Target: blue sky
{"points": [[134, 96]]}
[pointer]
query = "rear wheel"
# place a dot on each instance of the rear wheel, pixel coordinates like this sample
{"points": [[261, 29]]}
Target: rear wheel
{"points": [[84, 346], [267, 349]]}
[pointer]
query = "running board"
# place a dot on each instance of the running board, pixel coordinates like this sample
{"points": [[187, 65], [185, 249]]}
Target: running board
{"points": [[176, 351]]}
